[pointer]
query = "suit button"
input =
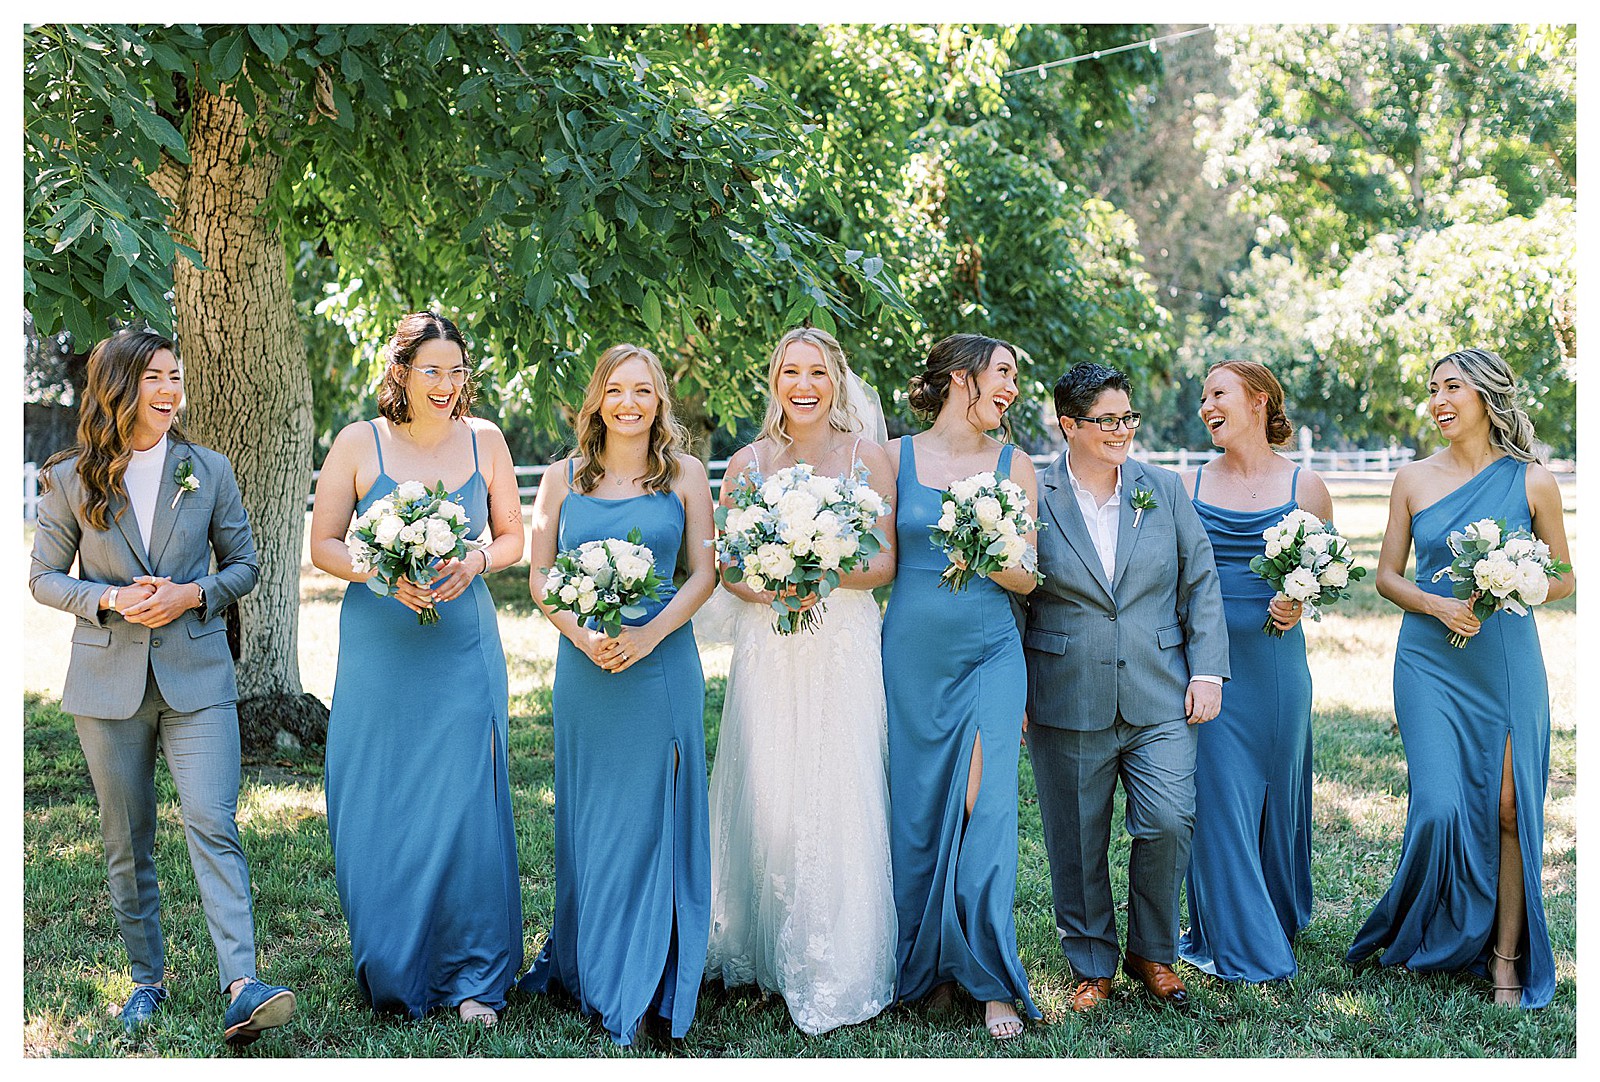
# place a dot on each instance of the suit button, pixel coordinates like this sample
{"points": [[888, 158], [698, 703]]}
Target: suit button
{"points": [[1112, 617], [155, 642], [1121, 664]]}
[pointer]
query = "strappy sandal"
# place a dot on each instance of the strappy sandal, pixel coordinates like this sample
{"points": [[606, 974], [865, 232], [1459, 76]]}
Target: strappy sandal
{"points": [[1005, 1027], [1515, 998], [474, 1013]]}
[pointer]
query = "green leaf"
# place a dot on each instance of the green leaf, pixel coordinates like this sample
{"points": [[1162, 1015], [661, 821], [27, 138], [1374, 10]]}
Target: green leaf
{"points": [[75, 230], [270, 40], [124, 242], [624, 158], [232, 59], [437, 47], [650, 310]]}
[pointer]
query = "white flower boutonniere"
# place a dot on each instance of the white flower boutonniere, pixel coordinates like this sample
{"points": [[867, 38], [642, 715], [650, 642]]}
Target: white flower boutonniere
{"points": [[186, 479], [1143, 500]]}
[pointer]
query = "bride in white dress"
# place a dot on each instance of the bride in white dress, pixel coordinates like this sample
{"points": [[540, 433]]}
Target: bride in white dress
{"points": [[801, 898]]}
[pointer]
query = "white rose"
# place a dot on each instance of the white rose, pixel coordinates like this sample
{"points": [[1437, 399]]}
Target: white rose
{"points": [[964, 489], [848, 544], [1519, 548], [1274, 547], [1297, 518], [798, 506], [1015, 547], [1008, 527], [593, 557], [1533, 585], [986, 479], [632, 568], [568, 594], [387, 529], [987, 510], [410, 490], [1318, 542], [441, 539], [1301, 585], [1485, 529], [947, 521], [1335, 574], [755, 582], [870, 502], [1541, 552], [452, 511], [825, 489], [776, 561], [828, 552], [1494, 574], [586, 601], [586, 585], [414, 533], [772, 491], [1013, 492]]}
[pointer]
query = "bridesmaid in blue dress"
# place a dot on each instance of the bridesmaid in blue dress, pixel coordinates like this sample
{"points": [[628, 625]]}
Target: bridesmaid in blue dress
{"points": [[633, 847], [1249, 879], [956, 689], [1475, 721], [419, 799]]}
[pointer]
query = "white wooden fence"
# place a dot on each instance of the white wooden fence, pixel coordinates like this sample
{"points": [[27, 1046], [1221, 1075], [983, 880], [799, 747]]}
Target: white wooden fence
{"points": [[1328, 463]]}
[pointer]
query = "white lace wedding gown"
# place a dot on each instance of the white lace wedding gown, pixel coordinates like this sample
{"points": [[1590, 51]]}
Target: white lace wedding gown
{"points": [[801, 898]]}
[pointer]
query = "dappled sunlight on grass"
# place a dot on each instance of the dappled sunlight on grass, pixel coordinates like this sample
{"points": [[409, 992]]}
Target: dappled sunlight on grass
{"points": [[281, 806]]}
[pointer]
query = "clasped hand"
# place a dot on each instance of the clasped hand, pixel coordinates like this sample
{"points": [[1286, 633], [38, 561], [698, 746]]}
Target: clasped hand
{"points": [[451, 581], [1285, 612], [631, 645], [160, 601]]}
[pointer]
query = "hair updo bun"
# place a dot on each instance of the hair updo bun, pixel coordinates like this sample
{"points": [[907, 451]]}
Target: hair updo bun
{"points": [[924, 396]]}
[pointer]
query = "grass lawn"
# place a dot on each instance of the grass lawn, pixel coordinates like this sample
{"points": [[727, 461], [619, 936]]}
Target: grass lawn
{"points": [[75, 972]]}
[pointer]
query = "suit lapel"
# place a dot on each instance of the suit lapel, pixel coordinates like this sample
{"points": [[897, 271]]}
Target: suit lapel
{"points": [[128, 523], [1127, 536], [1062, 504], [166, 513]]}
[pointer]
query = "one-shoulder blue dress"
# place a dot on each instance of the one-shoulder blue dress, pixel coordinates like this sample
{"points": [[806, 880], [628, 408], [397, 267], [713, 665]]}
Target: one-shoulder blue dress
{"points": [[953, 672], [419, 798], [1249, 880], [1456, 710], [633, 841]]}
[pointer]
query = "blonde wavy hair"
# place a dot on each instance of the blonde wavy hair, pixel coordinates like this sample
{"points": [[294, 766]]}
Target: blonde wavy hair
{"points": [[842, 415], [668, 439]]}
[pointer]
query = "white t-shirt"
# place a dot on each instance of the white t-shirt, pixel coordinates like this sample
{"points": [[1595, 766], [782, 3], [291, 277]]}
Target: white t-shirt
{"points": [[143, 479]]}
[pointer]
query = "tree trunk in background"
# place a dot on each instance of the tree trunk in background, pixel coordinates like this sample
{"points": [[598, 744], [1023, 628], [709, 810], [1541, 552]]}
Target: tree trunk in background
{"points": [[249, 397]]}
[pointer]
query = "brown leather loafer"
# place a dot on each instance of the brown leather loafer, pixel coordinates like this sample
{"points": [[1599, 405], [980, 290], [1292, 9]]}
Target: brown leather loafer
{"points": [[1087, 995], [1159, 980]]}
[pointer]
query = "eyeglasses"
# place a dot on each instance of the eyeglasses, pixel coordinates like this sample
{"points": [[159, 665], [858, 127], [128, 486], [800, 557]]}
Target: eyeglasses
{"points": [[457, 376], [1108, 423]]}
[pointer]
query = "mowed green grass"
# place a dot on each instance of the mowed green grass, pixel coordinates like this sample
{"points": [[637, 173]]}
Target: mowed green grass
{"points": [[75, 972]]}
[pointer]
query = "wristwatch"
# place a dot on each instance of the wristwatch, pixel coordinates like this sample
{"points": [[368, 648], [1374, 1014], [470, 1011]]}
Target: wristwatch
{"points": [[202, 608], [111, 601]]}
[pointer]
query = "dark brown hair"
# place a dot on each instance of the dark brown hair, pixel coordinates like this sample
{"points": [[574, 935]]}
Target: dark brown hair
{"points": [[409, 334], [969, 353], [1510, 427], [1258, 379], [106, 420]]}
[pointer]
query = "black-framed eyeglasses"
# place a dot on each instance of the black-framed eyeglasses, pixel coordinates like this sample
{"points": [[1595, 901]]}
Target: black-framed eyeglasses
{"points": [[1109, 423]]}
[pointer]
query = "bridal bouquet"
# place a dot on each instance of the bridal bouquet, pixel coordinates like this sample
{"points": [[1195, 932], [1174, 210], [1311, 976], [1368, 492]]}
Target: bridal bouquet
{"points": [[604, 581], [982, 528], [1307, 561], [796, 533], [404, 534], [1495, 568]]}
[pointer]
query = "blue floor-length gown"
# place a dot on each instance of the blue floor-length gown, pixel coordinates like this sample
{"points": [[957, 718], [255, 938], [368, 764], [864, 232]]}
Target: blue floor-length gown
{"points": [[633, 844], [1249, 879], [953, 671], [419, 798], [1456, 710]]}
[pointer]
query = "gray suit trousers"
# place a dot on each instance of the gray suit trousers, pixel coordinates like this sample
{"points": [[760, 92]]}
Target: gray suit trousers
{"points": [[202, 750], [1076, 774]]}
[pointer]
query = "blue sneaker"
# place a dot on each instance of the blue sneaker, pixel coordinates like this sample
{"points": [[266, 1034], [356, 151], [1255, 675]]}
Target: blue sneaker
{"points": [[258, 1007], [145, 1001]]}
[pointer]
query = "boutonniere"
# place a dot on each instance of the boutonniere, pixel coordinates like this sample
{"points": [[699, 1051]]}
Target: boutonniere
{"points": [[184, 475], [1143, 500]]}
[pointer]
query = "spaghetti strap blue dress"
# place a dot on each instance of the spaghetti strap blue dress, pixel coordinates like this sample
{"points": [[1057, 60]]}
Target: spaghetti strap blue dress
{"points": [[633, 843], [419, 798], [1457, 709], [953, 672], [1249, 880]]}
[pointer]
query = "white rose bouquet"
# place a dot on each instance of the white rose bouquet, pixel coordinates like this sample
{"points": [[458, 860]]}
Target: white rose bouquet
{"points": [[604, 580], [796, 533], [982, 528], [1495, 568], [404, 534], [1307, 561]]}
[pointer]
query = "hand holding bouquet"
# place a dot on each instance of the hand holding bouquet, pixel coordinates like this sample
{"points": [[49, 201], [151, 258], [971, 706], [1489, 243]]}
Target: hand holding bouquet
{"points": [[404, 535], [604, 581], [983, 528], [797, 533], [1307, 561], [1495, 568]]}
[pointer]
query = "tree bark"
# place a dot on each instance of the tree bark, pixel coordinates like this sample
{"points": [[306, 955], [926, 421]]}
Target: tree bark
{"points": [[249, 397]]}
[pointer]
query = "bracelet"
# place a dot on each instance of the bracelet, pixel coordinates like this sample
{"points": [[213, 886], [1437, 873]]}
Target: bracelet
{"points": [[484, 552]]}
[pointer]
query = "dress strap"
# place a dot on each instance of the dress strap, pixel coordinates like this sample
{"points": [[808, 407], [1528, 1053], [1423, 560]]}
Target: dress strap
{"points": [[853, 449], [569, 473], [908, 458], [1294, 483], [474, 432], [1199, 471], [755, 453], [378, 443], [1004, 468]]}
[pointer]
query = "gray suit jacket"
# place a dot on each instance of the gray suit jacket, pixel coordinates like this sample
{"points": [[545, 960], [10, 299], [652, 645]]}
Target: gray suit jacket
{"points": [[1095, 648], [110, 656]]}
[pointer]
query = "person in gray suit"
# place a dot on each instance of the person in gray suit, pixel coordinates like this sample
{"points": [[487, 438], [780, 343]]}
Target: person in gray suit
{"points": [[142, 512], [1126, 649]]}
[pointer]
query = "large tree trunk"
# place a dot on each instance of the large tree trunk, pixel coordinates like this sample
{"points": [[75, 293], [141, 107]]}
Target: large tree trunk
{"points": [[249, 396]]}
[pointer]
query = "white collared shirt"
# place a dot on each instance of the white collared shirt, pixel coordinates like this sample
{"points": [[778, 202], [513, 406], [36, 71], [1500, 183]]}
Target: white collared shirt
{"points": [[1101, 519], [143, 480]]}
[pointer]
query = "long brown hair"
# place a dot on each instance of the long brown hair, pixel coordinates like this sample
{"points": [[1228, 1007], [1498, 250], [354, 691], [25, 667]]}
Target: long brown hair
{"points": [[106, 421], [668, 439], [969, 353], [1510, 427], [1258, 379], [409, 334]]}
